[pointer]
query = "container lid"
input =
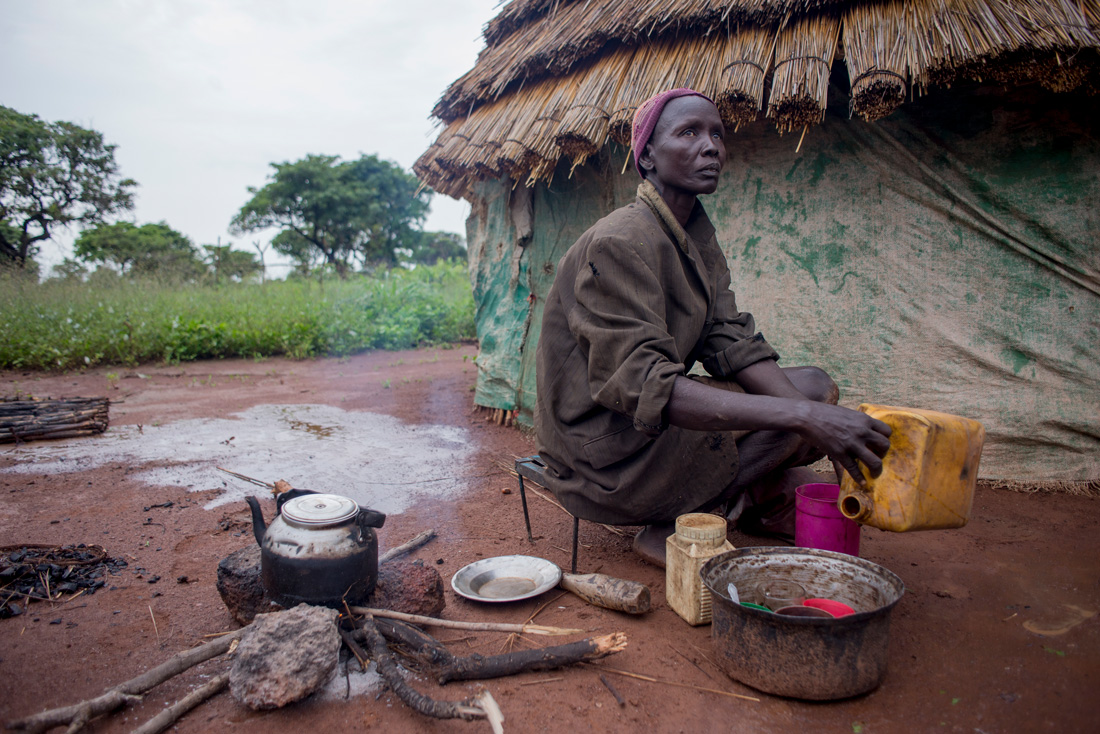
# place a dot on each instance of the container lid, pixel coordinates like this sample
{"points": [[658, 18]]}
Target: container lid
{"points": [[320, 509], [701, 527]]}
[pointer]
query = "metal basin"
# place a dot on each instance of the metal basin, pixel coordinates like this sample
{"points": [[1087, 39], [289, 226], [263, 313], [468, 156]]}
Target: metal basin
{"points": [[803, 657]]}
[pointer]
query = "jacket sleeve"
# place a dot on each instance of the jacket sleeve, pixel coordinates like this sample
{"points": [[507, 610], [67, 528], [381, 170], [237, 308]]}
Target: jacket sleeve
{"points": [[618, 320], [732, 341]]}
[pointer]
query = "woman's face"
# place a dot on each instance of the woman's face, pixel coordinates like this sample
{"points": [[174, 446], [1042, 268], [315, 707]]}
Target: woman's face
{"points": [[687, 150]]}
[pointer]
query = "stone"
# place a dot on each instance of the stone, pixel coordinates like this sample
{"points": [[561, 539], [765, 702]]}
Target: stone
{"points": [[403, 586], [241, 588], [409, 587], [285, 656]]}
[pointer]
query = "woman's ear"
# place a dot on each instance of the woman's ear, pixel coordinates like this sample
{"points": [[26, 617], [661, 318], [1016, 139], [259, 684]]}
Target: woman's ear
{"points": [[645, 160]]}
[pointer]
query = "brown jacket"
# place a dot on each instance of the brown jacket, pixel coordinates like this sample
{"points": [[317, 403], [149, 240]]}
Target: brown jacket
{"points": [[636, 301]]}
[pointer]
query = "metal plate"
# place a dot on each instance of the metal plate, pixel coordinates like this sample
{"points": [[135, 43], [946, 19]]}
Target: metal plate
{"points": [[506, 578]]}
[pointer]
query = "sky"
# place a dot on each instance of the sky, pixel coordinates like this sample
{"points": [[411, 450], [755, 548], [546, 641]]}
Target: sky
{"points": [[201, 96]]}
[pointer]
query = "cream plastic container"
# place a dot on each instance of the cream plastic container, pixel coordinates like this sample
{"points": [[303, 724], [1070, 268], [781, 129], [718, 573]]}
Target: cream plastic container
{"points": [[928, 475], [698, 538]]}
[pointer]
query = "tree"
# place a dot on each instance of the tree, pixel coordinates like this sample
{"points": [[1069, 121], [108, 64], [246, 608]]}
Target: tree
{"points": [[229, 264], [342, 213], [151, 249], [69, 269], [431, 247], [53, 174]]}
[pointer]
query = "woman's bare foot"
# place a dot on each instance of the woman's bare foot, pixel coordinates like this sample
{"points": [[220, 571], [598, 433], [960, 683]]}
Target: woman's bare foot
{"points": [[649, 543]]}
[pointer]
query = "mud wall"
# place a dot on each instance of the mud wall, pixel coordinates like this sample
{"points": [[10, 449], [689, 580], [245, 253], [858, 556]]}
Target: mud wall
{"points": [[943, 258]]}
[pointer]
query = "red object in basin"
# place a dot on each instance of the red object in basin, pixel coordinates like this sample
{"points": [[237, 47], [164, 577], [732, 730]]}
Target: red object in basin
{"points": [[835, 608]]}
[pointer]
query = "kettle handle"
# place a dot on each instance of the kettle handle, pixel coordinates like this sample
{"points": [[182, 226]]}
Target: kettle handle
{"points": [[259, 527]]}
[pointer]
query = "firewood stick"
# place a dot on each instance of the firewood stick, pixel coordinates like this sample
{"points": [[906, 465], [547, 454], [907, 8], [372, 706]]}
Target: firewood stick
{"points": [[477, 667], [412, 698], [615, 693], [677, 684], [408, 547], [534, 629], [257, 482], [425, 647], [448, 667], [359, 653], [485, 701], [78, 714], [172, 714]]}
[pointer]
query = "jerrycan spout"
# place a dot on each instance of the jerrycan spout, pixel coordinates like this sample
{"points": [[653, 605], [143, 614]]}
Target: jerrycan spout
{"points": [[856, 505]]}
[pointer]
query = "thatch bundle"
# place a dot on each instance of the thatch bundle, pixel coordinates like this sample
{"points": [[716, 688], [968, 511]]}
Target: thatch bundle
{"points": [[746, 63], [877, 55], [584, 126], [803, 59], [559, 78]]}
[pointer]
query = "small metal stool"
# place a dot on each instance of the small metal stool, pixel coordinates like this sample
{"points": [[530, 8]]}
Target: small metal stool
{"points": [[534, 469]]}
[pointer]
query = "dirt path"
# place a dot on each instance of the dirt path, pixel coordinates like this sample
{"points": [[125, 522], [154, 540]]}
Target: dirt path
{"points": [[988, 638]]}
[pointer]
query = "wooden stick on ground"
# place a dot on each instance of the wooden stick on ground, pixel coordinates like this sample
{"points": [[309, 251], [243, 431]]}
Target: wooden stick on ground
{"points": [[172, 714], [477, 667], [607, 684], [79, 714], [408, 547], [677, 684], [257, 482], [534, 629], [448, 667], [412, 698]]}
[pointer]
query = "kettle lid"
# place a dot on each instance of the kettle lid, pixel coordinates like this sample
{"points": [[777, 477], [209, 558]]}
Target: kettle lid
{"points": [[320, 509]]}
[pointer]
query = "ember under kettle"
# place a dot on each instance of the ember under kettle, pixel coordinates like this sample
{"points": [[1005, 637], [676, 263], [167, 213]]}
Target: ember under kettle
{"points": [[320, 549]]}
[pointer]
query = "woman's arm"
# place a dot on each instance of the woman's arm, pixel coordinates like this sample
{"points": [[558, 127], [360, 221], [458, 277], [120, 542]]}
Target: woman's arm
{"points": [[772, 402]]}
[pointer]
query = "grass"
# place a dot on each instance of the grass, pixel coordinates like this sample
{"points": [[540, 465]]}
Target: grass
{"points": [[58, 325]]}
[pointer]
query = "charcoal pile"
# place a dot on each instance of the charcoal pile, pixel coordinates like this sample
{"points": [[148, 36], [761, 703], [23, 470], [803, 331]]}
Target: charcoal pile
{"points": [[51, 573]]}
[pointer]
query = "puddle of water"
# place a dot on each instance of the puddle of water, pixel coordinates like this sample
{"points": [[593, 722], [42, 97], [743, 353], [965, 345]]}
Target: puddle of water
{"points": [[377, 460], [313, 429]]}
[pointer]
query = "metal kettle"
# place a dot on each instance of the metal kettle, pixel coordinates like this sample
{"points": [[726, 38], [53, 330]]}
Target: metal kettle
{"points": [[320, 549]]}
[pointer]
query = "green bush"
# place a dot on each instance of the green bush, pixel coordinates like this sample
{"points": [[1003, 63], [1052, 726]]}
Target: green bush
{"points": [[62, 324]]}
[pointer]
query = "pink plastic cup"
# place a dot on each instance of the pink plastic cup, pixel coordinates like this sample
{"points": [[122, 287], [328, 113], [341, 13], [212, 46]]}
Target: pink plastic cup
{"points": [[818, 522]]}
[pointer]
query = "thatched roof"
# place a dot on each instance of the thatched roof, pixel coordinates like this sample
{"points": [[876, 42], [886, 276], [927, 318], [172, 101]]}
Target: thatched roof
{"points": [[559, 78]]}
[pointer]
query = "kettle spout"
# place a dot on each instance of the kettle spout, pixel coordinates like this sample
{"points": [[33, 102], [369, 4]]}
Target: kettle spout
{"points": [[259, 527]]}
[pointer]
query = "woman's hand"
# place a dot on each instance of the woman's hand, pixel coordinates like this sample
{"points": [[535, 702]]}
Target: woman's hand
{"points": [[847, 437]]}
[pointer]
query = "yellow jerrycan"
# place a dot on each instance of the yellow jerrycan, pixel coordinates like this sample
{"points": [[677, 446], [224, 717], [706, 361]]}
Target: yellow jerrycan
{"points": [[928, 474]]}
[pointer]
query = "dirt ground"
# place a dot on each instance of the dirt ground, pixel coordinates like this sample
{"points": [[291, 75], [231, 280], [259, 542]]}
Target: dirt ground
{"points": [[997, 630]]}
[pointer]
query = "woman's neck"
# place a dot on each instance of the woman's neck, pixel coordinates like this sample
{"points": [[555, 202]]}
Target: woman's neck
{"points": [[680, 202]]}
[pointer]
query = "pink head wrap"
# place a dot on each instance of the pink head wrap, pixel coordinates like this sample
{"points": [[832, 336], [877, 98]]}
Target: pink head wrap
{"points": [[647, 114]]}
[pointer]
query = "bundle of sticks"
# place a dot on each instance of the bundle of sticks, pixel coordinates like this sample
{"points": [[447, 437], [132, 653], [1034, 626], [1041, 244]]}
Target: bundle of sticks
{"points": [[25, 419]]}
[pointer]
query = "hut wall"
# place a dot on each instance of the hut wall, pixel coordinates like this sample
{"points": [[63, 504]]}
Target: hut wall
{"points": [[943, 258], [498, 271]]}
